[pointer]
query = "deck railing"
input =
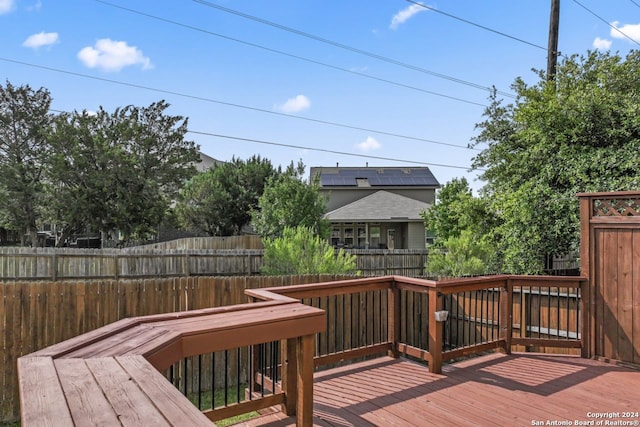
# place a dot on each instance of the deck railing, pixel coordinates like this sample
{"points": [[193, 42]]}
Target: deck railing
{"points": [[397, 315]]}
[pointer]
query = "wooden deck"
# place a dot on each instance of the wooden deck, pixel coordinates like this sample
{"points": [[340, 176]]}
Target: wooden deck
{"points": [[495, 389]]}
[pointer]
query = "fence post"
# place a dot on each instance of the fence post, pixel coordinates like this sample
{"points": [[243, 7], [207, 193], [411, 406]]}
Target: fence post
{"points": [[435, 332], [305, 349], [393, 319], [506, 315], [289, 372], [584, 307]]}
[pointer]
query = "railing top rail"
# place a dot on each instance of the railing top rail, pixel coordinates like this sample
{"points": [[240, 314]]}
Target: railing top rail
{"points": [[297, 292], [613, 195], [167, 338]]}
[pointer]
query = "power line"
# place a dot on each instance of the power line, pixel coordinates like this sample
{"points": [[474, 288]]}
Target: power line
{"points": [[211, 33], [634, 3], [476, 25], [605, 21], [352, 49], [231, 104], [342, 153], [322, 150]]}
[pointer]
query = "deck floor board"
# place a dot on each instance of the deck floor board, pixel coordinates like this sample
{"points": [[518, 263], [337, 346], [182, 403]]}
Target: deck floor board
{"points": [[494, 389]]}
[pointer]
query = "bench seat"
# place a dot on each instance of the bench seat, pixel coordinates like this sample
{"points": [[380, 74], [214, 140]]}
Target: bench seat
{"points": [[112, 375]]}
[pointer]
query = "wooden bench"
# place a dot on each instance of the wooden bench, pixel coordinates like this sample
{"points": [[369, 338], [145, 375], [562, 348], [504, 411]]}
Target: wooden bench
{"points": [[112, 376]]}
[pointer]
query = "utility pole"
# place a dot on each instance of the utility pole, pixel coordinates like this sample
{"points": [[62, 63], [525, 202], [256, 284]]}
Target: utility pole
{"points": [[554, 24]]}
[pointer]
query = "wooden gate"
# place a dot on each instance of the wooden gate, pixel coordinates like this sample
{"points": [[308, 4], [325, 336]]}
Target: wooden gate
{"points": [[610, 258]]}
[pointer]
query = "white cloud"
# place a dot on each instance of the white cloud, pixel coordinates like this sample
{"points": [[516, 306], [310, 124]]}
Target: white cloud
{"points": [[36, 7], [603, 44], [363, 69], [402, 16], [41, 39], [6, 6], [111, 55], [295, 105], [369, 144], [631, 30]]}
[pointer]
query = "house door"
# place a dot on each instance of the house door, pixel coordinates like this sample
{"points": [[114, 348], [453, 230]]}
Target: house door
{"points": [[391, 238]]}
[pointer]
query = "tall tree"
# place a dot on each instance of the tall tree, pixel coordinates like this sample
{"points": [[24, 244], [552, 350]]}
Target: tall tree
{"points": [[290, 201], [219, 201], [24, 124], [578, 133], [118, 171]]}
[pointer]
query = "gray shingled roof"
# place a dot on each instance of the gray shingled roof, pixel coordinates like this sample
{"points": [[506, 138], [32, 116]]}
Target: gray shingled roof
{"points": [[380, 206]]}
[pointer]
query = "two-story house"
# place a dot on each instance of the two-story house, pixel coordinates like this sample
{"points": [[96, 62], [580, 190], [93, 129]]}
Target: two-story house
{"points": [[377, 207]]}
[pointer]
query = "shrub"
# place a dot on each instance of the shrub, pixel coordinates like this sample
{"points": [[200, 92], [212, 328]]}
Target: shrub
{"points": [[465, 255], [300, 251]]}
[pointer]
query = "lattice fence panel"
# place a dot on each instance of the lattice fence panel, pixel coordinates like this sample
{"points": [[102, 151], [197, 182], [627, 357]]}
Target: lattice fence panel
{"points": [[616, 207]]}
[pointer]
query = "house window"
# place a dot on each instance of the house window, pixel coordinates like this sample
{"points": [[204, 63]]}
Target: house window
{"points": [[361, 236], [374, 236], [336, 236], [348, 236]]}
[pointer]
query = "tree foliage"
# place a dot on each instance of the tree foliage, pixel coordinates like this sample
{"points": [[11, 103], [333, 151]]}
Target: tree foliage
{"points": [[458, 210], [100, 172], [301, 251], [24, 124], [462, 226], [117, 171], [462, 255], [579, 133], [289, 201], [219, 201]]}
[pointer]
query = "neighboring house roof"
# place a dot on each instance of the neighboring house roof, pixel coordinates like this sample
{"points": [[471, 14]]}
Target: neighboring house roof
{"points": [[206, 162], [376, 177], [380, 206]]}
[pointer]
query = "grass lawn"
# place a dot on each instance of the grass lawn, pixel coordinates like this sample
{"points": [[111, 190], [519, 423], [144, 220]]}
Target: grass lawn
{"points": [[219, 401]]}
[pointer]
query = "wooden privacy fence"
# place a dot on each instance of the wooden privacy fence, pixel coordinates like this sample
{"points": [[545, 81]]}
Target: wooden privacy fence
{"points": [[37, 314], [71, 264], [200, 243], [610, 258], [64, 263]]}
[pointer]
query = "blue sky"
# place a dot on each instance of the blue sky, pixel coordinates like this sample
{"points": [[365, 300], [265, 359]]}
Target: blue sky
{"points": [[398, 84]]}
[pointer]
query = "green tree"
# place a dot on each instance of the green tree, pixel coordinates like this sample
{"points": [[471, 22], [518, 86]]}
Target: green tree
{"points": [[458, 210], [219, 201], [462, 255], [117, 171], [579, 133], [290, 201], [24, 124], [301, 251]]}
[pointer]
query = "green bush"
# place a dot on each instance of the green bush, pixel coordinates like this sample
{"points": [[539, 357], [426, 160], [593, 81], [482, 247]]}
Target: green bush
{"points": [[301, 251], [465, 255]]}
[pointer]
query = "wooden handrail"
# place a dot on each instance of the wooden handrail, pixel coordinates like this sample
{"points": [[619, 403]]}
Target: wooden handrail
{"points": [[435, 290]]}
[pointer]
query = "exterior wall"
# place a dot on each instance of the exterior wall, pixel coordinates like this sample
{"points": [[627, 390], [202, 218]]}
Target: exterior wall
{"points": [[416, 232]]}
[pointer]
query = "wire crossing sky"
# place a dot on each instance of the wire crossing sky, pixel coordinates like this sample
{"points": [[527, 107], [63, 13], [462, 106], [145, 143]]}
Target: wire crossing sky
{"points": [[325, 82]]}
